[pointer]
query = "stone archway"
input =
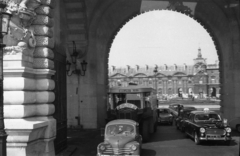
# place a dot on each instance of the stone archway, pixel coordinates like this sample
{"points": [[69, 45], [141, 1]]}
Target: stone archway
{"points": [[216, 16]]}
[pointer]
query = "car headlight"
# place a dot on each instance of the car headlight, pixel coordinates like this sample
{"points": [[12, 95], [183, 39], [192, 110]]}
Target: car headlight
{"points": [[133, 147], [202, 130], [102, 147], [228, 129]]}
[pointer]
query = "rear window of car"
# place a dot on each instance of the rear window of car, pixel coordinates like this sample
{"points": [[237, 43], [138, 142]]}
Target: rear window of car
{"points": [[120, 129]]}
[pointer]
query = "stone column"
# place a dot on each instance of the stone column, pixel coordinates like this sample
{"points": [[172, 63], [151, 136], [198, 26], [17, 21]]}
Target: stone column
{"points": [[28, 87]]}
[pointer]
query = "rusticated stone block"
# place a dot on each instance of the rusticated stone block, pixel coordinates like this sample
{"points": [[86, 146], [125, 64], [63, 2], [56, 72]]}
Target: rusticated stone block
{"points": [[43, 63], [45, 84], [41, 30], [43, 41], [19, 83], [45, 97], [23, 111], [19, 97], [43, 52], [17, 60], [50, 3], [44, 10], [43, 20]]}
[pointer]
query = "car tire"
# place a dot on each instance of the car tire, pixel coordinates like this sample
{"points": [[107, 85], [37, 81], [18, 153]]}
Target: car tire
{"points": [[177, 126], [186, 135], [170, 123], [145, 131], [182, 129], [155, 127], [238, 128], [228, 142], [196, 139]]}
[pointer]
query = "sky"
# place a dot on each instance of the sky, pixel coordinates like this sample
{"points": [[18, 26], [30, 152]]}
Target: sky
{"points": [[161, 37]]}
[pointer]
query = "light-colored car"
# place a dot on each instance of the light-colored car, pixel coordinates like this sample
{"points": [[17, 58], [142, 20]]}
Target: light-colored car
{"points": [[165, 116], [121, 137], [235, 124]]}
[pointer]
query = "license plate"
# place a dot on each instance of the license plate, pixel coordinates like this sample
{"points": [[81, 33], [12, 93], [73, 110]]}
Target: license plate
{"points": [[214, 136]]}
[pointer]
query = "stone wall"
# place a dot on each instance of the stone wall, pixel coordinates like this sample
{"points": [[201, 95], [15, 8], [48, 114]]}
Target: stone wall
{"points": [[28, 87]]}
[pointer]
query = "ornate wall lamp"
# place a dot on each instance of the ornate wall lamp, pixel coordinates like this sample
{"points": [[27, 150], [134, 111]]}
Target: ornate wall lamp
{"points": [[74, 62], [4, 25]]}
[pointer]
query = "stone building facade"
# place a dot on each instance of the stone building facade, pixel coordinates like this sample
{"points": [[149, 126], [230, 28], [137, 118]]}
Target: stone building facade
{"points": [[199, 79], [28, 66]]}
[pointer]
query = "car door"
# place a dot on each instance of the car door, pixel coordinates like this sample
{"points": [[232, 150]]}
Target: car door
{"points": [[191, 126], [188, 124]]}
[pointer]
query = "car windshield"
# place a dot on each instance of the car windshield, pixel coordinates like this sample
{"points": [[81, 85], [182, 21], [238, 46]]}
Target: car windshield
{"points": [[207, 117], [120, 129]]}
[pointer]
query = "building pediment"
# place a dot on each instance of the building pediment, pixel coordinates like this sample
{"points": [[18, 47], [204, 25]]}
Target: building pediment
{"points": [[140, 75], [179, 74], [117, 75], [160, 75]]}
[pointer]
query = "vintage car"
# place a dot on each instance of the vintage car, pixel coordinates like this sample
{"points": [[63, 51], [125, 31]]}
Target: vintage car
{"points": [[165, 116], [207, 125], [182, 116], [121, 137], [174, 109]]}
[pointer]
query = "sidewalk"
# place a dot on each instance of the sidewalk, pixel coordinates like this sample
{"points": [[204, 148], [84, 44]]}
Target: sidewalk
{"points": [[82, 142]]}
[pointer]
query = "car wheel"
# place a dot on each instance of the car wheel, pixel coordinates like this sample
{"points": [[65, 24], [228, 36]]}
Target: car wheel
{"points": [[228, 142], [145, 132], [170, 123], [177, 126], [182, 129], [186, 135], [155, 127], [238, 128], [196, 139]]}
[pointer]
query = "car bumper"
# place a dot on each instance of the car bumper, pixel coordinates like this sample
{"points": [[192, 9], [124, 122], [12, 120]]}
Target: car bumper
{"points": [[225, 138], [117, 155]]}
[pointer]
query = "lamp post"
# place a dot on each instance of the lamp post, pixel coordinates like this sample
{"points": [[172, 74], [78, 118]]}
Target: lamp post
{"points": [[4, 24], [155, 75], [74, 56]]}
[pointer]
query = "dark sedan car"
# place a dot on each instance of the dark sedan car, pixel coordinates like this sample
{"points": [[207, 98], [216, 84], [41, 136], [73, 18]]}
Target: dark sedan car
{"points": [[207, 125], [182, 116], [165, 116]]}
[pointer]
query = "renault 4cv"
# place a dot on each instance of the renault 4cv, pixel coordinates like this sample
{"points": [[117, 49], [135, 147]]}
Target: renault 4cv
{"points": [[121, 137], [138, 103], [207, 125]]}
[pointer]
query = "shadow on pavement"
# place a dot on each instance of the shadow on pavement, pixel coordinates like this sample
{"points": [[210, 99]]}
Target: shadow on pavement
{"points": [[82, 142], [148, 152]]}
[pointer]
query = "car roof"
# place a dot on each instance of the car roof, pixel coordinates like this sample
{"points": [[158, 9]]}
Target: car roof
{"points": [[122, 121], [174, 104], [189, 108], [202, 112]]}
